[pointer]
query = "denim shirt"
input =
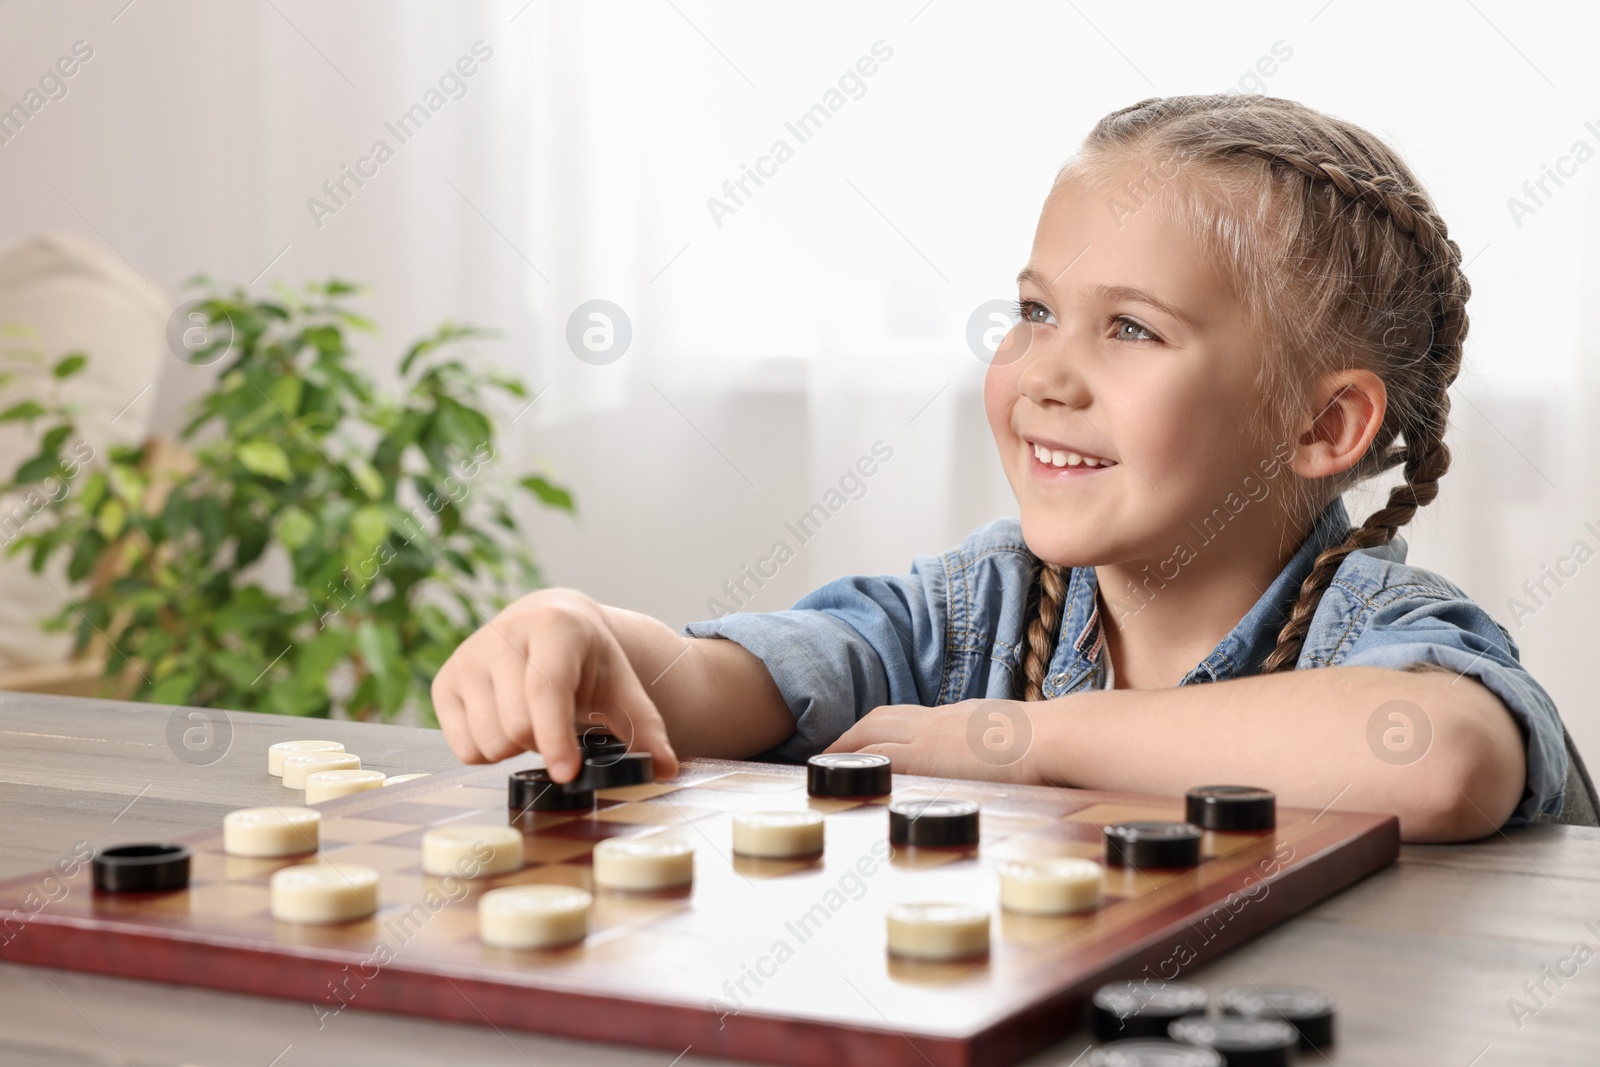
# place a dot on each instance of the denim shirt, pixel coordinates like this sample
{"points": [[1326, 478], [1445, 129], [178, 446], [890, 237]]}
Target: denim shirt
{"points": [[952, 629]]}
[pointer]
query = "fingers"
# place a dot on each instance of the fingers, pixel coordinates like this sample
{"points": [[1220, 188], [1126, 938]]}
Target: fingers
{"points": [[483, 720], [880, 725], [548, 696], [452, 715], [900, 756], [517, 683], [647, 732], [511, 700]]}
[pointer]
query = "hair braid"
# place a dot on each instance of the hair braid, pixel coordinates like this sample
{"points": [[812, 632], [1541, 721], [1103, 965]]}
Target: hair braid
{"points": [[1425, 456], [1044, 623]]}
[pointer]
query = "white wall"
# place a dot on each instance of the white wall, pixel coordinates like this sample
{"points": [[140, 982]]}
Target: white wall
{"points": [[193, 138]]}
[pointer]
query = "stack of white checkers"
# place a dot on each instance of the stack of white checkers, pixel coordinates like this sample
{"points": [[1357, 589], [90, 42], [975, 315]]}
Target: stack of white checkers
{"points": [[325, 770]]}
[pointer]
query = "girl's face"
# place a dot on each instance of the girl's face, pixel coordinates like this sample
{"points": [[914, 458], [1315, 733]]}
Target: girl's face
{"points": [[1133, 352]]}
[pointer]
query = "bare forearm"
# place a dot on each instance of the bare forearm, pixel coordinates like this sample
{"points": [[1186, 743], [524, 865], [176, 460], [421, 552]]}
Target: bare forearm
{"points": [[1305, 735], [717, 699]]}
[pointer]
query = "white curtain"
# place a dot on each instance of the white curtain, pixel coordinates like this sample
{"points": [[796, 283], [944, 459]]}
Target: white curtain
{"points": [[829, 310]]}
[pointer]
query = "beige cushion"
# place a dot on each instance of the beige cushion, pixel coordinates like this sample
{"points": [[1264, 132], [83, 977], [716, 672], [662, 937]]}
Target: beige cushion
{"points": [[73, 294]]}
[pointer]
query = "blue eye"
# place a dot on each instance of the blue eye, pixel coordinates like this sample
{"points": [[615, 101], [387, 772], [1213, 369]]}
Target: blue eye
{"points": [[1036, 314], [1026, 309], [1121, 321]]}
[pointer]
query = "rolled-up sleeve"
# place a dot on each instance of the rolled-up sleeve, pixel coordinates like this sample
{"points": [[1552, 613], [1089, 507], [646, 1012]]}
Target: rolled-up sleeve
{"points": [[1455, 633], [852, 645]]}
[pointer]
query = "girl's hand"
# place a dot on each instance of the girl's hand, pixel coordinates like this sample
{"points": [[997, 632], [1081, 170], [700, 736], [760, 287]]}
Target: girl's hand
{"points": [[989, 739], [545, 668]]}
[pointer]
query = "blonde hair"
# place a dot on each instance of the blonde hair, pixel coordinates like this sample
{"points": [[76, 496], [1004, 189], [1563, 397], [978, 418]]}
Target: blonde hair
{"points": [[1339, 260]]}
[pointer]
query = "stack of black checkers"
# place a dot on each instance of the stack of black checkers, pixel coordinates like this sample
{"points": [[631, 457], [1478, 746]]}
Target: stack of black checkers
{"points": [[1166, 1024], [613, 770], [607, 764], [1309, 1011], [933, 823], [848, 774], [599, 743], [1143, 1008], [535, 790], [1231, 808], [141, 869], [1242, 1042]]}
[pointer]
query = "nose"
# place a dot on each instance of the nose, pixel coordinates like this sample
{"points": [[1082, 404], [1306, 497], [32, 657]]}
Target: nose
{"points": [[1048, 373]]}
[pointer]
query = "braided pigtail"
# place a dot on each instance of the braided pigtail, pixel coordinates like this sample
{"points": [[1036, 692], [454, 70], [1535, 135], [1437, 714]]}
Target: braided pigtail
{"points": [[1426, 462], [1421, 412], [1048, 598]]}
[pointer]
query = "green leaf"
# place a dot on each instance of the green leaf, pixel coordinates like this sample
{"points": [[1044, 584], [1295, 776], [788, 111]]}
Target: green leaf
{"points": [[128, 482], [362, 700], [323, 652], [367, 477], [36, 469], [70, 365], [460, 425], [173, 690], [111, 519], [358, 322], [514, 386], [549, 492], [28, 409], [252, 542], [84, 555], [295, 528], [52, 440], [372, 642], [285, 394], [264, 458], [369, 527]]}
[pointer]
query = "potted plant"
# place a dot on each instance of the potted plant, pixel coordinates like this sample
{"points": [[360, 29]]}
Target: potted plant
{"points": [[310, 543]]}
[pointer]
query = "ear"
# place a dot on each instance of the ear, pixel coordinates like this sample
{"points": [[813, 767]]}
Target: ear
{"points": [[1346, 413]]}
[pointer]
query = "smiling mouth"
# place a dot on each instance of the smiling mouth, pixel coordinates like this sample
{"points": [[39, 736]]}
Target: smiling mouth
{"points": [[1066, 458]]}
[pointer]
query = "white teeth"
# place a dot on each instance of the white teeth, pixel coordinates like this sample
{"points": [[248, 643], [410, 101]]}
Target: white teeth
{"points": [[1068, 459]]}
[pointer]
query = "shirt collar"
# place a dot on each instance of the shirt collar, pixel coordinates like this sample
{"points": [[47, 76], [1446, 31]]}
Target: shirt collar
{"points": [[1079, 647]]}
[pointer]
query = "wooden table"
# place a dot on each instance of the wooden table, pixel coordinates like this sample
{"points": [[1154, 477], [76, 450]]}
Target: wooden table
{"points": [[1424, 957]]}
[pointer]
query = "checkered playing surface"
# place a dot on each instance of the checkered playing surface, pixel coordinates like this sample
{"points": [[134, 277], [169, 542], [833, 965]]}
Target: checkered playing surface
{"points": [[784, 940]]}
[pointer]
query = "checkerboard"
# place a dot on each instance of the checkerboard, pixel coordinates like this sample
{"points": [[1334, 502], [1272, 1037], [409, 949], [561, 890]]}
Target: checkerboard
{"points": [[781, 961]]}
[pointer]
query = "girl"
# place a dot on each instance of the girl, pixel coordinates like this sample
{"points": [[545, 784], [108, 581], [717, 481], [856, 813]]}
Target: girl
{"points": [[1235, 308]]}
